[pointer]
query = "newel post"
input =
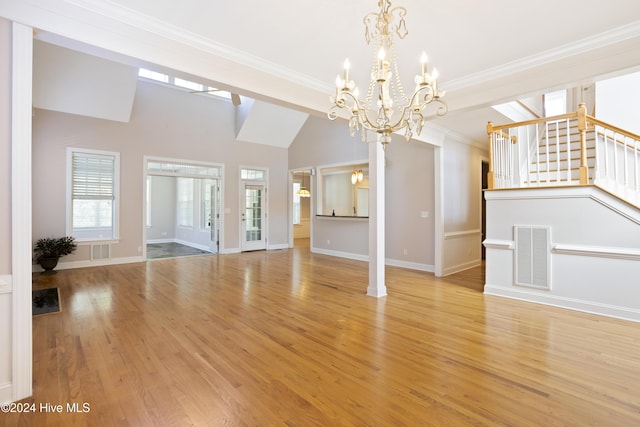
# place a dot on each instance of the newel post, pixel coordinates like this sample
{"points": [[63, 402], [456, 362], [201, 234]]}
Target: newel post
{"points": [[582, 128], [490, 185]]}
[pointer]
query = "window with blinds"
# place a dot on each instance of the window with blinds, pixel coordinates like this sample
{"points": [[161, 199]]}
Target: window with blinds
{"points": [[93, 194]]}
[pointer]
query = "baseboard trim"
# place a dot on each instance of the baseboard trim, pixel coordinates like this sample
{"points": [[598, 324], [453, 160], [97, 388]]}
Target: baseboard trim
{"points": [[277, 247], [6, 286], [339, 254], [94, 263], [607, 310], [410, 265], [461, 267], [6, 392], [229, 251]]}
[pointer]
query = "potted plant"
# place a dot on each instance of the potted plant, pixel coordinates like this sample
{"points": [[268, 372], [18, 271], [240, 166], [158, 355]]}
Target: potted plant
{"points": [[48, 250]]}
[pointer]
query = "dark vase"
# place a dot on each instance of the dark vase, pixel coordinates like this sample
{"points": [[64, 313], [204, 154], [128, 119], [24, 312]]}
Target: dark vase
{"points": [[48, 263]]}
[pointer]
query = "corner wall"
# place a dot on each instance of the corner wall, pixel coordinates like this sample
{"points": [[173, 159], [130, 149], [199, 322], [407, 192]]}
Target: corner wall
{"points": [[594, 248]]}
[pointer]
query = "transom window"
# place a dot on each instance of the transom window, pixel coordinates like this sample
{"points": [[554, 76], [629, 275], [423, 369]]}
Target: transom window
{"points": [[186, 84]]}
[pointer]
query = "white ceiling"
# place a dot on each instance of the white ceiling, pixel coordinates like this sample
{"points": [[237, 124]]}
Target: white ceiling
{"points": [[289, 51]]}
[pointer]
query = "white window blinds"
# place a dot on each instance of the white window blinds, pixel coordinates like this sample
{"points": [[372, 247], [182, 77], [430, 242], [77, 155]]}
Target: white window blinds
{"points": [[92, 176], [93, 194]]}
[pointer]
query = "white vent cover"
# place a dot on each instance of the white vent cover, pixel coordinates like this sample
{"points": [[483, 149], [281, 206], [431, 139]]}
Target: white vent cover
{"points": [[533, 256], [102, 251]]}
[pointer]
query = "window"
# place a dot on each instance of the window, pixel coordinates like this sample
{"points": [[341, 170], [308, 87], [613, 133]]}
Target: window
{"points": [[152, 75], [252, 174], [208, 189], [185, 202], [93, 194], [555, 103], [296, 203], [186, 84]]}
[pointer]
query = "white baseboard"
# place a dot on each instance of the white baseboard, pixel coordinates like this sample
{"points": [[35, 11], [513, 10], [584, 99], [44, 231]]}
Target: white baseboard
{"points": [[278, 247], [155, 241], [227, 251], [461, 267], [6, 392], [193, 245], [6, 285], [93, 263], [340, 254], [608, 310], [410, 265]]}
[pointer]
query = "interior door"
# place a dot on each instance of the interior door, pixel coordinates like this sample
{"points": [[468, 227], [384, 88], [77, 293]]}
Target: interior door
{"points": [[253, 217]]}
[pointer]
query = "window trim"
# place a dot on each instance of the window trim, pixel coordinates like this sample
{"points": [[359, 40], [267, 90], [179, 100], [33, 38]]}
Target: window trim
{"points": [[115, 233]]}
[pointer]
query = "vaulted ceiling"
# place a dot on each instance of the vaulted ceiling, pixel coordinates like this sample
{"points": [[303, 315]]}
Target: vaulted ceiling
{"points": [[289, 52]]}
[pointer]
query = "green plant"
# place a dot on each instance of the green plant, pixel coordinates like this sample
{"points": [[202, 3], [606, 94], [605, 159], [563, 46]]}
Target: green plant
{"points": [[49, 247]]}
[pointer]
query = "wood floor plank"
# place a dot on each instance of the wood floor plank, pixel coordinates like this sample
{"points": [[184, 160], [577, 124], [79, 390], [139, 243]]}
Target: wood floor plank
{"points": [[290, 338]]}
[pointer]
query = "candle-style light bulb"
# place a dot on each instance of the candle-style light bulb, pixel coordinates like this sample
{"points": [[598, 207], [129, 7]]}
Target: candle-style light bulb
{"points": [[423, 61], [347, 66]]}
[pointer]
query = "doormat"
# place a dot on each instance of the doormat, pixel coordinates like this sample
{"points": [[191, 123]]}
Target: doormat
{"points": [[45, 301]]}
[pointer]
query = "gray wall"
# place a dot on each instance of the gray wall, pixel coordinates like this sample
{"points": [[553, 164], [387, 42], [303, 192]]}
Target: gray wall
{"points": [[409, 192], [165, 122], [163, 208]]}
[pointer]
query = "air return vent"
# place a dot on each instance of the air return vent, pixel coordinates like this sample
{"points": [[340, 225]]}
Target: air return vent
{"points": [[102, 251], [533, 256]]}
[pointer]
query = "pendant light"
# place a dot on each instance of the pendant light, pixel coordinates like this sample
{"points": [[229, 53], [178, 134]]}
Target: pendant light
{"points": [[303, 191]]}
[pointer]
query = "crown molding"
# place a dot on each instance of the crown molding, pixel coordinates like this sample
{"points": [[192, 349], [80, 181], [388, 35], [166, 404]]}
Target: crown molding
{"points": [[597, 41], [148, 24]]}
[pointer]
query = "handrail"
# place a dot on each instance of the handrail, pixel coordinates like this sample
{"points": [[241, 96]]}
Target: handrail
{"points": [[612, 127], [614, 163], [537, 121]]}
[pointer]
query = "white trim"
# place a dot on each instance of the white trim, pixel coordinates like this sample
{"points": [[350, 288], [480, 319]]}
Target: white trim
{"points": [[136, 19], [228, 251], [587, 44], [341, 254], [592, 192], [6, 286], [95, 263], [499, 244], [194, 245], [461, 267], [597, 251], [410, 265], [608, 310], [277, 247], [463, 233], [21, 205], [438, 215], [6, 393]]}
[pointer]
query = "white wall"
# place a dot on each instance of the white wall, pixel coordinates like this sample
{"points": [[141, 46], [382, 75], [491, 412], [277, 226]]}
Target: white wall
{"points": [[165, 122], [617, 102], [594, 251]]}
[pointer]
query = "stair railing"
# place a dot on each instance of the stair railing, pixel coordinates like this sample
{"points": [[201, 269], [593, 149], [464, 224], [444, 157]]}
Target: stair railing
{"points": [[615, 163]]}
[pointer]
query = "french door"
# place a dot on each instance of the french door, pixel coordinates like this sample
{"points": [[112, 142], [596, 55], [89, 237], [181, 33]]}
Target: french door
{"points": [[253, 217]]}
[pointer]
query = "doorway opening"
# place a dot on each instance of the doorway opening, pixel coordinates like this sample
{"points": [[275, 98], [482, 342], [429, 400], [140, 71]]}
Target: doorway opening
{"points": [[182, 208], [301, 209]]}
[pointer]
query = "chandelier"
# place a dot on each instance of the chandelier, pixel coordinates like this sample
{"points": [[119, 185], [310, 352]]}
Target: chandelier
{"points": [[303, 191], [376, 112]]}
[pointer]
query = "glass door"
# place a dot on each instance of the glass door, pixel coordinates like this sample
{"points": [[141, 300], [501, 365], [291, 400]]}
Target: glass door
{"points": [[253, 217]]}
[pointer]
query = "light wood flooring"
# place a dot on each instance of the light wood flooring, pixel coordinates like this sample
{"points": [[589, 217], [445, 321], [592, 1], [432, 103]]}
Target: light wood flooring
{"points": [[290, 338]]}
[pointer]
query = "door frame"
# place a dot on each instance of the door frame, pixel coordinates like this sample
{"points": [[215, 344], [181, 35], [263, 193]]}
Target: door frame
{"points": [[241, 204], [145, 167]]}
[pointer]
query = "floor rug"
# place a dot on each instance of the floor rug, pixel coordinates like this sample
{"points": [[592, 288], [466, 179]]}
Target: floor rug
{"points": [[45, 301]]}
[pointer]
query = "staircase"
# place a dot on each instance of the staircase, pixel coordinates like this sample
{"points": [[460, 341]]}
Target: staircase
{"points": [[565, 150]]}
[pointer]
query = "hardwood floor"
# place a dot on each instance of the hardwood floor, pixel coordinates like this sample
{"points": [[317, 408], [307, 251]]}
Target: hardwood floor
{"points": [[289, 338]]}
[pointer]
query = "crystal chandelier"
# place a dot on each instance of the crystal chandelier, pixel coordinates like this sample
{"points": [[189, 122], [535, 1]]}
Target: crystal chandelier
{"points": [[376, 112]]}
